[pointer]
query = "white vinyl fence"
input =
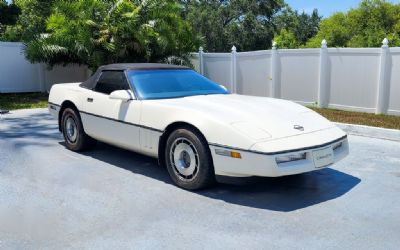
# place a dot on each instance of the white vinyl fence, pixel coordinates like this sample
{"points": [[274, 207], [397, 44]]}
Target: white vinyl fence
{"points": [[359, 79], [19, 75], [362, 79]]}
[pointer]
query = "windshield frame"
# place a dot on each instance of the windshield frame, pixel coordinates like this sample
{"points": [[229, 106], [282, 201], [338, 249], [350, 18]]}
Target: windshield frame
{"points": [[139, 97]]}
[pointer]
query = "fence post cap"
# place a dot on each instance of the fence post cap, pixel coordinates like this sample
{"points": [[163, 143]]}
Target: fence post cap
{"points": [[201, 49], [385, 42], [233, 48], [274, 45], [324, 44]]}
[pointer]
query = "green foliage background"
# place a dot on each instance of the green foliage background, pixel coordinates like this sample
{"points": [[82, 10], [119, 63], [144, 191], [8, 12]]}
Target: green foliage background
{"points": [[96, 32], [247, 24], [294, 29], [8, 15], [365, 26]]}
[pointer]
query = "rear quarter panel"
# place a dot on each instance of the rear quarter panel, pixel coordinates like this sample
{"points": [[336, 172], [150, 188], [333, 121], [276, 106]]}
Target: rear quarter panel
{"points": [[60, 93]]}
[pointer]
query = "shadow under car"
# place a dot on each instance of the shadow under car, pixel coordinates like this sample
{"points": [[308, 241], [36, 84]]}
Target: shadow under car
{"points": [[283, 194]]}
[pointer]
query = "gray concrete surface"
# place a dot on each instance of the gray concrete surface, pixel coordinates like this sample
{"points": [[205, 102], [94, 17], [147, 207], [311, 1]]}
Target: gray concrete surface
{"points": [[368, 131], [51, 198]]}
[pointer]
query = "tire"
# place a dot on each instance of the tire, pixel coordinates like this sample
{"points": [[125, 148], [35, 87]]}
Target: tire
{"points": [[188, 160], [75, 137]]}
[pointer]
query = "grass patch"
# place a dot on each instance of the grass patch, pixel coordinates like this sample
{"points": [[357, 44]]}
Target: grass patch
{"points": [[23, 101], [383, 121]]}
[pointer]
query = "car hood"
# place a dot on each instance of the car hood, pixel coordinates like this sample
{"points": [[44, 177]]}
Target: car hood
{"points": [[259, 118]]}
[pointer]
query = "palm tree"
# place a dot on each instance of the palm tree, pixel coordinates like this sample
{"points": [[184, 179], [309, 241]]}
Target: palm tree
{"points": [[96, 32]]}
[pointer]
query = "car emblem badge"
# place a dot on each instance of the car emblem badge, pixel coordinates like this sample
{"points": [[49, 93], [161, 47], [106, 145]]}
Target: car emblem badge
{"points": [[298, 127]]}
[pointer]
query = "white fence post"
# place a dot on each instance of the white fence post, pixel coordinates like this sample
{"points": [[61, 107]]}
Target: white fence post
{"points": [[201, 63], [323, 95], [382, 99], [275, 84], [233, 70]]}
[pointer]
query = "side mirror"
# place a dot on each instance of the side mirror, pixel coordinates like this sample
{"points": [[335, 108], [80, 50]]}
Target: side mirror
{"points": [[123, 95]]}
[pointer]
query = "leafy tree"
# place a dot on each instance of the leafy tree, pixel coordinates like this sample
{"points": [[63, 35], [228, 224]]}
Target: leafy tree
{"points": [[97, 32], [247, 24], [295, 26], [365, 26], [31, 21], [8, 15], [286, 40]]}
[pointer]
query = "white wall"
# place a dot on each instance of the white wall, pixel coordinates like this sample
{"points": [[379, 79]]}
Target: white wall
{"points": [[217, 67], [254, 67], [362, 79], [299, 75], [353, 78], [18, 75]]}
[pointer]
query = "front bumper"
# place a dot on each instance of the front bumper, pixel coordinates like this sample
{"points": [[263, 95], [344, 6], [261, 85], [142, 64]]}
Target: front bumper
{"points": [[265, 164], [54, 109]]}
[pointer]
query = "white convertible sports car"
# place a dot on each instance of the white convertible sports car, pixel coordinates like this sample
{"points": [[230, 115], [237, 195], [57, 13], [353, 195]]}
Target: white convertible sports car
{"points": [[195, 127]]}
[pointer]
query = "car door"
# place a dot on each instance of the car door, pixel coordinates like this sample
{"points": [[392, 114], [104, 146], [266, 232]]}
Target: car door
{"points": [[109, 120]]}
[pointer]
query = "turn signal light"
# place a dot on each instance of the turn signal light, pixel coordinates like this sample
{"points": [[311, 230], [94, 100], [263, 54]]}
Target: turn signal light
{"points": [[228, 153], [235, 155]]}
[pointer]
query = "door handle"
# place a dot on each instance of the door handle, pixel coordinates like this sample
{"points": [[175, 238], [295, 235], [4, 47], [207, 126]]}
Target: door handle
{"points": [[90, 99]]}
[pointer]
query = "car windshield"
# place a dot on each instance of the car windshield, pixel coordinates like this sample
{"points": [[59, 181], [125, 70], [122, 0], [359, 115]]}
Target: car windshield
{"points": [[162, 84]]}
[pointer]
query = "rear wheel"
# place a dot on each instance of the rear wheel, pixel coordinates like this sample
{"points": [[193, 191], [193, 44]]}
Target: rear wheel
{"points": [[188, 160], [75, 137]]}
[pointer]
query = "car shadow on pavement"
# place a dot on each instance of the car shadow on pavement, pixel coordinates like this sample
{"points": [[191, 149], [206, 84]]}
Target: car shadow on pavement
{"points": [[287, 193], [283, 194], [32, 129]]}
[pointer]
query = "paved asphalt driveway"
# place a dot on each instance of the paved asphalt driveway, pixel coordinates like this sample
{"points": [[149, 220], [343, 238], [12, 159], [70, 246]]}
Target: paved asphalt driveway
{"points": [[52, 198]]}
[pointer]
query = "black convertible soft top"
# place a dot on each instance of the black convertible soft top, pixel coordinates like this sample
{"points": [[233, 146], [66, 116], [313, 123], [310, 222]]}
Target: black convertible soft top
{"points": [[91, 82]]}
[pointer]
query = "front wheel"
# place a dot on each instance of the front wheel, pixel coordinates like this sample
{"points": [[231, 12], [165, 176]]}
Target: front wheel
{"points": [[188, 160], [75, 137]]}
